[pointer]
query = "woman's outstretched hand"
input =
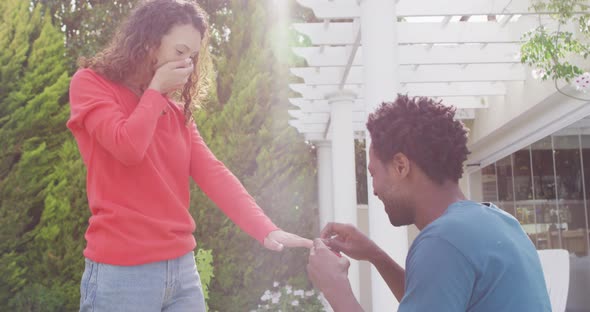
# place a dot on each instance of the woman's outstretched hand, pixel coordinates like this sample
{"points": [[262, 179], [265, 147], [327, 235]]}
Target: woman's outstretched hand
{"points": [[277, 240]]}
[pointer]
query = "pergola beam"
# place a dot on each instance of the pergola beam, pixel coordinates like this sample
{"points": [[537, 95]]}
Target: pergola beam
{"points": [[340, 9], [419, 54], [314, 118], [414, 89], [408, 74], [351, 54], [424, 33], [320, 121], [322, 106]]}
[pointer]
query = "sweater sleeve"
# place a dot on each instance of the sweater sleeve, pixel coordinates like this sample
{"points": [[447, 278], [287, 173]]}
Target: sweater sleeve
{"points": [[95, 109], [226, 191]]}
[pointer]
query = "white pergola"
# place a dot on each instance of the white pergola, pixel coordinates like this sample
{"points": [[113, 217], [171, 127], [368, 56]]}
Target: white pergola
{"points": [[364, 52]]}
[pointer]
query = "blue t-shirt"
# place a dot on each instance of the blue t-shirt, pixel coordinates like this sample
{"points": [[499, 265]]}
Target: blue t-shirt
{"points": [[474, 258]]}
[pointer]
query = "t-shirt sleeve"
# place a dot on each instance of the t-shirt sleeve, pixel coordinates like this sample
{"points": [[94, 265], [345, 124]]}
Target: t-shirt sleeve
{"points": [[438, 278]]}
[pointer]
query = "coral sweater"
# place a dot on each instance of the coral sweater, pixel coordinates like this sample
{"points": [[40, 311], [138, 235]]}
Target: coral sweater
{"points": [[138, 162]]}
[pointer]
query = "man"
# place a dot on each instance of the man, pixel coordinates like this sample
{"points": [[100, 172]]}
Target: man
{"points": [[468, 257]]}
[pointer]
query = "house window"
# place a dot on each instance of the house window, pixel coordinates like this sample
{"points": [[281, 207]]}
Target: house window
{"points": [[545, 187]]}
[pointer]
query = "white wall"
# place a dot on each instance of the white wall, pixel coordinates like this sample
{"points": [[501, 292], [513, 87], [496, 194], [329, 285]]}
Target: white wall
{"points": [[513, 125], [522, 96]]}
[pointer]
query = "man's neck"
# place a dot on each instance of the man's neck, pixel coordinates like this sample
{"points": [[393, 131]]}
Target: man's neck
{"points": [[436, 202]]}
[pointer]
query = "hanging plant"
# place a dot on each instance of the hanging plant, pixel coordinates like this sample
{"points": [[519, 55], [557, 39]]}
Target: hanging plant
{"points": [[548, 51]]}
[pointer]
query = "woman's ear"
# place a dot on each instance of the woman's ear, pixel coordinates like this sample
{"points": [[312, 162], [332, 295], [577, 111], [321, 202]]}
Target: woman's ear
{"points": [[152, 55]]}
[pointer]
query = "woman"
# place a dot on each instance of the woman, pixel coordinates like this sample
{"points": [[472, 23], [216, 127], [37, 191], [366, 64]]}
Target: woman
{"points": [[140, 148]]}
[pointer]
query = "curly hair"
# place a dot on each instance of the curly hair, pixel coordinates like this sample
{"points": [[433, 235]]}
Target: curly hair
{"points": [[128, 53], [425, 131]]}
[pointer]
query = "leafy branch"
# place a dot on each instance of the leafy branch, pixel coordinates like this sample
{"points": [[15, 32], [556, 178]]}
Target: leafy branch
{"points": [[548, 51]]}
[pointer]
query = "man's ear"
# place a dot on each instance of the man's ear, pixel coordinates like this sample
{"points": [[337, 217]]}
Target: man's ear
{"points": [[399, 165]]}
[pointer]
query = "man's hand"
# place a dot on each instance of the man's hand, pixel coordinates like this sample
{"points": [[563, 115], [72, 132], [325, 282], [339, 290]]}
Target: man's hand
{"points": [[349, 240], [329, 273], [277, 240], [326, 270]]}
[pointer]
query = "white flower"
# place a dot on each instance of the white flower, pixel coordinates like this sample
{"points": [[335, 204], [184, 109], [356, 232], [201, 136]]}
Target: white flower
{"points": [[299, 293], [582, 82], [276, 297], [266, 296], [275, 284], [289, 289], [309, 293], [295, 303], [538, 73]]}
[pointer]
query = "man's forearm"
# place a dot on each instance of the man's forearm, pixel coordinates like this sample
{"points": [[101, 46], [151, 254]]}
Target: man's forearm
{"points": [[393, 274], [346, 304], [341, 298]]}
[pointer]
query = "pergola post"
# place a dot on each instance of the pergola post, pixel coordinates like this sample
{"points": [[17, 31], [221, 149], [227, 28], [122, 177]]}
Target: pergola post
{"points": [[343, 168], [325, 194], [380, 60]]}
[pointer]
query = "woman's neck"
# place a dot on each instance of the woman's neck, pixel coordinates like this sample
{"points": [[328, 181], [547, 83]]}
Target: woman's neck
{"points": [[136, 84]]}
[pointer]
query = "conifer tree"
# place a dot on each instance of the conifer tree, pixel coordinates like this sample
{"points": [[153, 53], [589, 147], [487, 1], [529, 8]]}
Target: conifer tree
{"points": [[18, 26], [32, 133], [87, 24], [246, 126]]}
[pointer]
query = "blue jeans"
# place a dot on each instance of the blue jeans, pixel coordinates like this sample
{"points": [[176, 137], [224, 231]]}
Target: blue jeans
{"points": [[170, 286]]}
